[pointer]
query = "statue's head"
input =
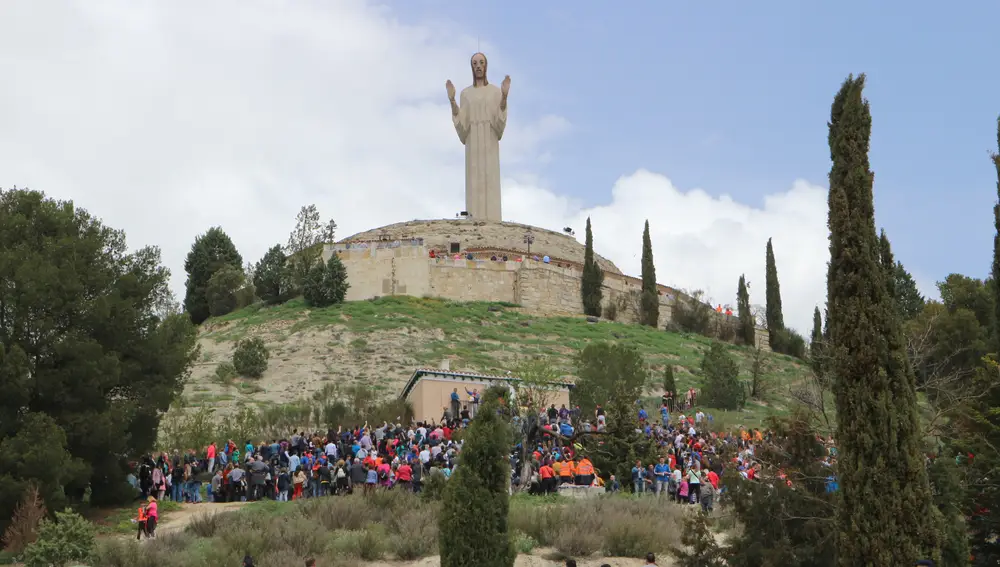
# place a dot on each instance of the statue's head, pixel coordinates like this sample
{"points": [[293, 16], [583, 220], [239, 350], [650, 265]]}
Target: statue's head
{"points": [[479, 69]]}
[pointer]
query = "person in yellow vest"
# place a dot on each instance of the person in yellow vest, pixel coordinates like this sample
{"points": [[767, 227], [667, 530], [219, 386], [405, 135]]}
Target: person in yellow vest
{"points": [[584, 472]]}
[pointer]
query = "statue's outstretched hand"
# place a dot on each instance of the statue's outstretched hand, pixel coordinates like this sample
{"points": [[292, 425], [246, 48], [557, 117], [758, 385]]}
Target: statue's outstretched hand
{"points": [[505, 85], [451, 89]]}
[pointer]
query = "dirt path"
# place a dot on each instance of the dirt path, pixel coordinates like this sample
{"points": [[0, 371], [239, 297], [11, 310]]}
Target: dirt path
{"points": [[179, 519]]}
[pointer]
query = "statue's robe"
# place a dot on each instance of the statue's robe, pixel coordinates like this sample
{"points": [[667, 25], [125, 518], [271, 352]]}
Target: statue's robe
{"points": [[480, 124]]}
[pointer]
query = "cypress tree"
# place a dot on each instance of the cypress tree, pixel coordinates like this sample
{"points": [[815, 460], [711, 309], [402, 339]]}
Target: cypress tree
{"points": [[592, 278], [775, 320], [669, 382], [747, 330], [816, 343], [996, 250], [473, 521], [885, 494], [907, 455], [650, 299]]}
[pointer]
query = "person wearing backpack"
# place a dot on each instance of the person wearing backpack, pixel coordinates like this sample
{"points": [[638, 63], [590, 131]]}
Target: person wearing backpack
{"points": [[341, 478]]}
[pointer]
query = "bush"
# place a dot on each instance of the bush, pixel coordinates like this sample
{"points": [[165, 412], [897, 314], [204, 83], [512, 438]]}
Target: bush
{"points": [[787, 341], [700, 548], [325, 284], [225, 373], [691, 314], [68, 538], [250, 357], [523, 543], [617, 525]]}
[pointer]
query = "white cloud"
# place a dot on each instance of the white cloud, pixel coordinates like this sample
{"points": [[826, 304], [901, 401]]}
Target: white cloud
{"points": [[167, 118], [701, 241]]}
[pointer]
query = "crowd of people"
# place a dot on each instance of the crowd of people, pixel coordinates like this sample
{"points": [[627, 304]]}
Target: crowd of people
{"points": [[686, 469]]}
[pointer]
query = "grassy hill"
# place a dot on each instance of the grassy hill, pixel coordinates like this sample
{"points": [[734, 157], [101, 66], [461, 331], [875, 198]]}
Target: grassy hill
{"points": [[380, 342]]}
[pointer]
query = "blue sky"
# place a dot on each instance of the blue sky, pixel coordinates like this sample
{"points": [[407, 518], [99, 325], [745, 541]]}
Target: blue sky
{"points": [[735, 97], [707, 119]]}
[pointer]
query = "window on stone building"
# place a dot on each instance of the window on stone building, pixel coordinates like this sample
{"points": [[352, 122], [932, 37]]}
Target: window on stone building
{"points": [[456, 247]]}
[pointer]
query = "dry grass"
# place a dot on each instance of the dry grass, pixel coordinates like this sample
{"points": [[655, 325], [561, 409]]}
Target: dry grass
{"points": [[619, 526], [395, 525]]}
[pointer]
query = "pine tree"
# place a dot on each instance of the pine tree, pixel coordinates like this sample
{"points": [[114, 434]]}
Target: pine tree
{"points": [[209, 253], [473, 520], [877, 434], [650, 298], [592, 278], [775, 319], [747, 328]]}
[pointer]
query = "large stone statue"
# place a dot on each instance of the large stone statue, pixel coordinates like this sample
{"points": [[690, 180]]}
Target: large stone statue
{"points": [[480, 119]]}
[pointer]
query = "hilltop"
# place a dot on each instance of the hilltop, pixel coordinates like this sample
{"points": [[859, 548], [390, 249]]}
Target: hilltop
{"points": [[380, 342]]}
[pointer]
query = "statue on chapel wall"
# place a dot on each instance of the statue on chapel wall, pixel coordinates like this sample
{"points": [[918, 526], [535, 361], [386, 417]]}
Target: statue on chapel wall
{"points": [[480, 117]]}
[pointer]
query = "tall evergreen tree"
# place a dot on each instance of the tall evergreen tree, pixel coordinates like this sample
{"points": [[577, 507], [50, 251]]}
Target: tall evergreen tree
{"points": [[816, 343], [209, 253], [669, 382], [908, 457], [650, 302], [747, 328], [982, 427], [473, 521], [877, 429], [909, 301], [996, 249], [592, 278], [775, 319]]}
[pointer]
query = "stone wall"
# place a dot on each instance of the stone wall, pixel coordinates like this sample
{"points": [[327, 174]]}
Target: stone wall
{"points": [[388, 271], [406, 268], [473, 280]]}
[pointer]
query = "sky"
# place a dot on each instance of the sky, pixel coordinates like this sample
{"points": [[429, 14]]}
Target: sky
{"points": [[165, 119]]}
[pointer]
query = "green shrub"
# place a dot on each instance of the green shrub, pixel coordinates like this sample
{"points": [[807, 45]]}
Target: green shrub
{"points": [[524, 543], [250, 357], [787, 341], [368, 544], [225, 373], [69, 538], [325, 284], [433, 486], [691, 314]]}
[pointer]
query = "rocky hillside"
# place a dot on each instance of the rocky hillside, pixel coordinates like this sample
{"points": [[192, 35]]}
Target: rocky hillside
{"points": [[381, 342]]}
